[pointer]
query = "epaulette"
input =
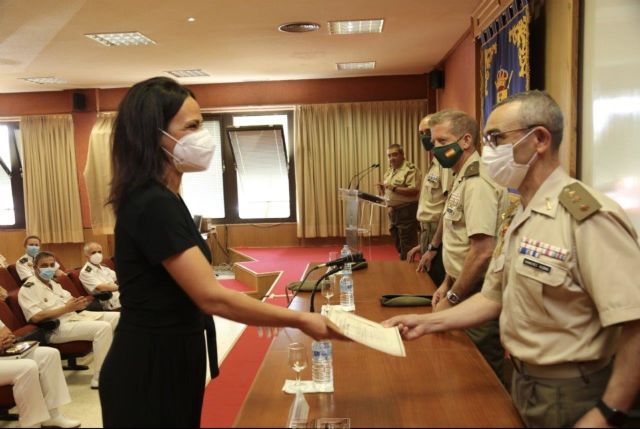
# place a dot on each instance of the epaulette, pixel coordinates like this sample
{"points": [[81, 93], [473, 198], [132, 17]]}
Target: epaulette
{"points": [[578, 201], [24, 260], [473, 169], [28, 284], [88, 269]]}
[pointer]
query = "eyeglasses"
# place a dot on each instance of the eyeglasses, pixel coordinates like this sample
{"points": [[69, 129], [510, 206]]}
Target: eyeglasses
{"points": [[491, 139]]}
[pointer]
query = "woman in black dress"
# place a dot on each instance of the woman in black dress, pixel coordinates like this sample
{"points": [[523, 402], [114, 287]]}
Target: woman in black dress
{"points": [[154, 373]]}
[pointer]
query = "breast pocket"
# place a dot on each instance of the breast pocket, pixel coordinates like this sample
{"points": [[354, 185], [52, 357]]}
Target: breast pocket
{"points": [[536, 281], [452, 213]]}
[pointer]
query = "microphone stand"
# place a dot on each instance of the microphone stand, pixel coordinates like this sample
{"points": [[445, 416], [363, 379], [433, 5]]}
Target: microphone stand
{"points": [[364, 173], [360, 173], [315, 286]]}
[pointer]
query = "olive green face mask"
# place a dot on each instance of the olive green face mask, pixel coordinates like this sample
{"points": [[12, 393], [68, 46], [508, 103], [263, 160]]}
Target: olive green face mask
{"points": [[448, 155]]}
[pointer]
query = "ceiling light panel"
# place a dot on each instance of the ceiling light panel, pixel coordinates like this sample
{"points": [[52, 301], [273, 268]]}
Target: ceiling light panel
{"points": [[356, 27], [367, 65], [132, 38], [188, 73], [44, 80]]}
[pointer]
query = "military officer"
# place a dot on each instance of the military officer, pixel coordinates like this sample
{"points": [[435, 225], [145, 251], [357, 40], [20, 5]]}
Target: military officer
{"points": [[562, 279], [39, 386], [435, 188], [96, 277], [24, 265], [41, 298], [400, 186]]}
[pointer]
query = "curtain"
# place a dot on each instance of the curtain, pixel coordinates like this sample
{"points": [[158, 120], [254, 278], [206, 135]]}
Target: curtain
{"points": [[52, 198], [505, 56], [98, 174], [333, 142]]}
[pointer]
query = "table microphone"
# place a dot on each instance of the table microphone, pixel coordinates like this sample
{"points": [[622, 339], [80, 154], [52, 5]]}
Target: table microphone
{"points": [[351, 258], [364, 173]]}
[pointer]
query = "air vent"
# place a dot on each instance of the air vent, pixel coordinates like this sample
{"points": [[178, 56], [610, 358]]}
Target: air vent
{"points": [[299, 27]]}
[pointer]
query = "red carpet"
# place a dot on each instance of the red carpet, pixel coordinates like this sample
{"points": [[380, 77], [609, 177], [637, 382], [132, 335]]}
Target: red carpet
{"points": [[224, 396]]}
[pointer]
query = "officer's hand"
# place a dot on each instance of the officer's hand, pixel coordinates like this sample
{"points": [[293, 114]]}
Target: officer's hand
{"points": [[6, 340], [439, 294], [411, 326], [592, 419], [412, 253], [75, 304], [443, 304], [425, 261]]}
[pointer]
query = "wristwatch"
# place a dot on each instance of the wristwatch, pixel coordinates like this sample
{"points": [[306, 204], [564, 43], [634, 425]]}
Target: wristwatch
{"points": [[614, 417], [431, 247], [453, 297]]}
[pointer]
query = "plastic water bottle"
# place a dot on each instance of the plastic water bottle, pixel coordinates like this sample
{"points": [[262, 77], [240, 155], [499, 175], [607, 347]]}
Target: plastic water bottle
{"points": [[346, 290], [322, 365], [344, 253]]}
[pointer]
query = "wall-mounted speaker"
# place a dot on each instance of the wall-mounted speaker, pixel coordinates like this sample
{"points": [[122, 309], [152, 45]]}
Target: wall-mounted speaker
{"points": [[79, 102], [437, 79]]}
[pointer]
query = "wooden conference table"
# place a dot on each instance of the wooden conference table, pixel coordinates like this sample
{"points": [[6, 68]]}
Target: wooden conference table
{"points": [[443, 381]]}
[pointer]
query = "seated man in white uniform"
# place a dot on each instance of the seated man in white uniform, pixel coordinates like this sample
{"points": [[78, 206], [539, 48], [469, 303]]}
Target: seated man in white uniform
{"points": [[24, 265], [41, 298], [99, 278], [39, 386]]}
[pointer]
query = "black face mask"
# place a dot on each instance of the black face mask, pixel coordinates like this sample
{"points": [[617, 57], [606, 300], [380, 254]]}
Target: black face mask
{"points": [[425, 139], [448, 155]]}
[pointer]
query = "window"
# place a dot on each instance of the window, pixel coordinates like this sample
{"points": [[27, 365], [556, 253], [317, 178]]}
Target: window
{"points": [[261, 188], [11, 194]]}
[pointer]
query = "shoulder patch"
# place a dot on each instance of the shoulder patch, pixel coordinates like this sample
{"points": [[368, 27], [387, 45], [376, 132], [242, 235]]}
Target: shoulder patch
{"points": [[88, 269], [24, 260], [27, 284], [578, 201], [473, 169]]}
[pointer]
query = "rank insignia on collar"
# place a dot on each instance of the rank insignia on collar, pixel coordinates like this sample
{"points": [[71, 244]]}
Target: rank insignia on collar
{"points": [[27, 284], [88, 269], [24, 260]]}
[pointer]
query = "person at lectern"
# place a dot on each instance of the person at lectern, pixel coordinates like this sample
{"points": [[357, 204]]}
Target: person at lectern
{"points": [[400, 186]]}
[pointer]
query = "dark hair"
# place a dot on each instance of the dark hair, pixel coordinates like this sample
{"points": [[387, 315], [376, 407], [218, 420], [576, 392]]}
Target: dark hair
{"points": [[30, 237], [137, 158], [41, 255], [538, 107], [396, 146]]}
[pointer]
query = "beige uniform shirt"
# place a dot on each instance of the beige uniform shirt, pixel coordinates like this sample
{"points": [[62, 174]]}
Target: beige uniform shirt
{"points": [[564, 283], [3, 262], [91, 276], [474, 206], [433, 195], [406, 176]]}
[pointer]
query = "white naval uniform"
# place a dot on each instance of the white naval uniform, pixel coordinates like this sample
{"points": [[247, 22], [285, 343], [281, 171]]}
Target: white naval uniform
{"points": [[92, 275], [38, 384], [24, 267], [35, 296]]}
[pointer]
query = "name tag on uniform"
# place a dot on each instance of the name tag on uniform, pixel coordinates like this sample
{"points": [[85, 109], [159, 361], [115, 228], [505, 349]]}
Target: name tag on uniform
{"points": [[537, 265]]}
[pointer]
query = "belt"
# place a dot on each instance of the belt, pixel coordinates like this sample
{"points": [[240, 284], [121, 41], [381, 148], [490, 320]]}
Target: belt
{"points": [[560, 370]]}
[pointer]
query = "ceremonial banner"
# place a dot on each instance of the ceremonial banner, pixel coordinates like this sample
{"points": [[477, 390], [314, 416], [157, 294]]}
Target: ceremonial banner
{"points": [[505, 56]]}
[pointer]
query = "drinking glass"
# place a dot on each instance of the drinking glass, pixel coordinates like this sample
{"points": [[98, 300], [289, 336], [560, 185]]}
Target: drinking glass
{"points": [[297, 360], [327, 289]]}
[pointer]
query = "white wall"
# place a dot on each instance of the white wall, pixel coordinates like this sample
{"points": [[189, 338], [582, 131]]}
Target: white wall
{"points": [[610, 149]]}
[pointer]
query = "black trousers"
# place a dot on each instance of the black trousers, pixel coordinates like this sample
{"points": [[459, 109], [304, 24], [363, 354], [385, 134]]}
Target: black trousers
{"points": [[404, 228]]}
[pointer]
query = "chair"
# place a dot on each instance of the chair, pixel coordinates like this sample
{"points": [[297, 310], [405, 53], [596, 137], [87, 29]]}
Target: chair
{"points": [[14, 273], [7, 402], [7, 281], [109, 262], [69, 351]]}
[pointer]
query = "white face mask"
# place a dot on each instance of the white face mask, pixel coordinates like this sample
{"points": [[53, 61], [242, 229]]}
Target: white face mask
{"points": [[501, 166], [96, 258], [192, 152]]}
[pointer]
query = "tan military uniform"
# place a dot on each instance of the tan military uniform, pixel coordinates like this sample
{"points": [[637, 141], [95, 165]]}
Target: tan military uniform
{"points": [[474, 206], [403, 225], [564, 276], [433, 195]]}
